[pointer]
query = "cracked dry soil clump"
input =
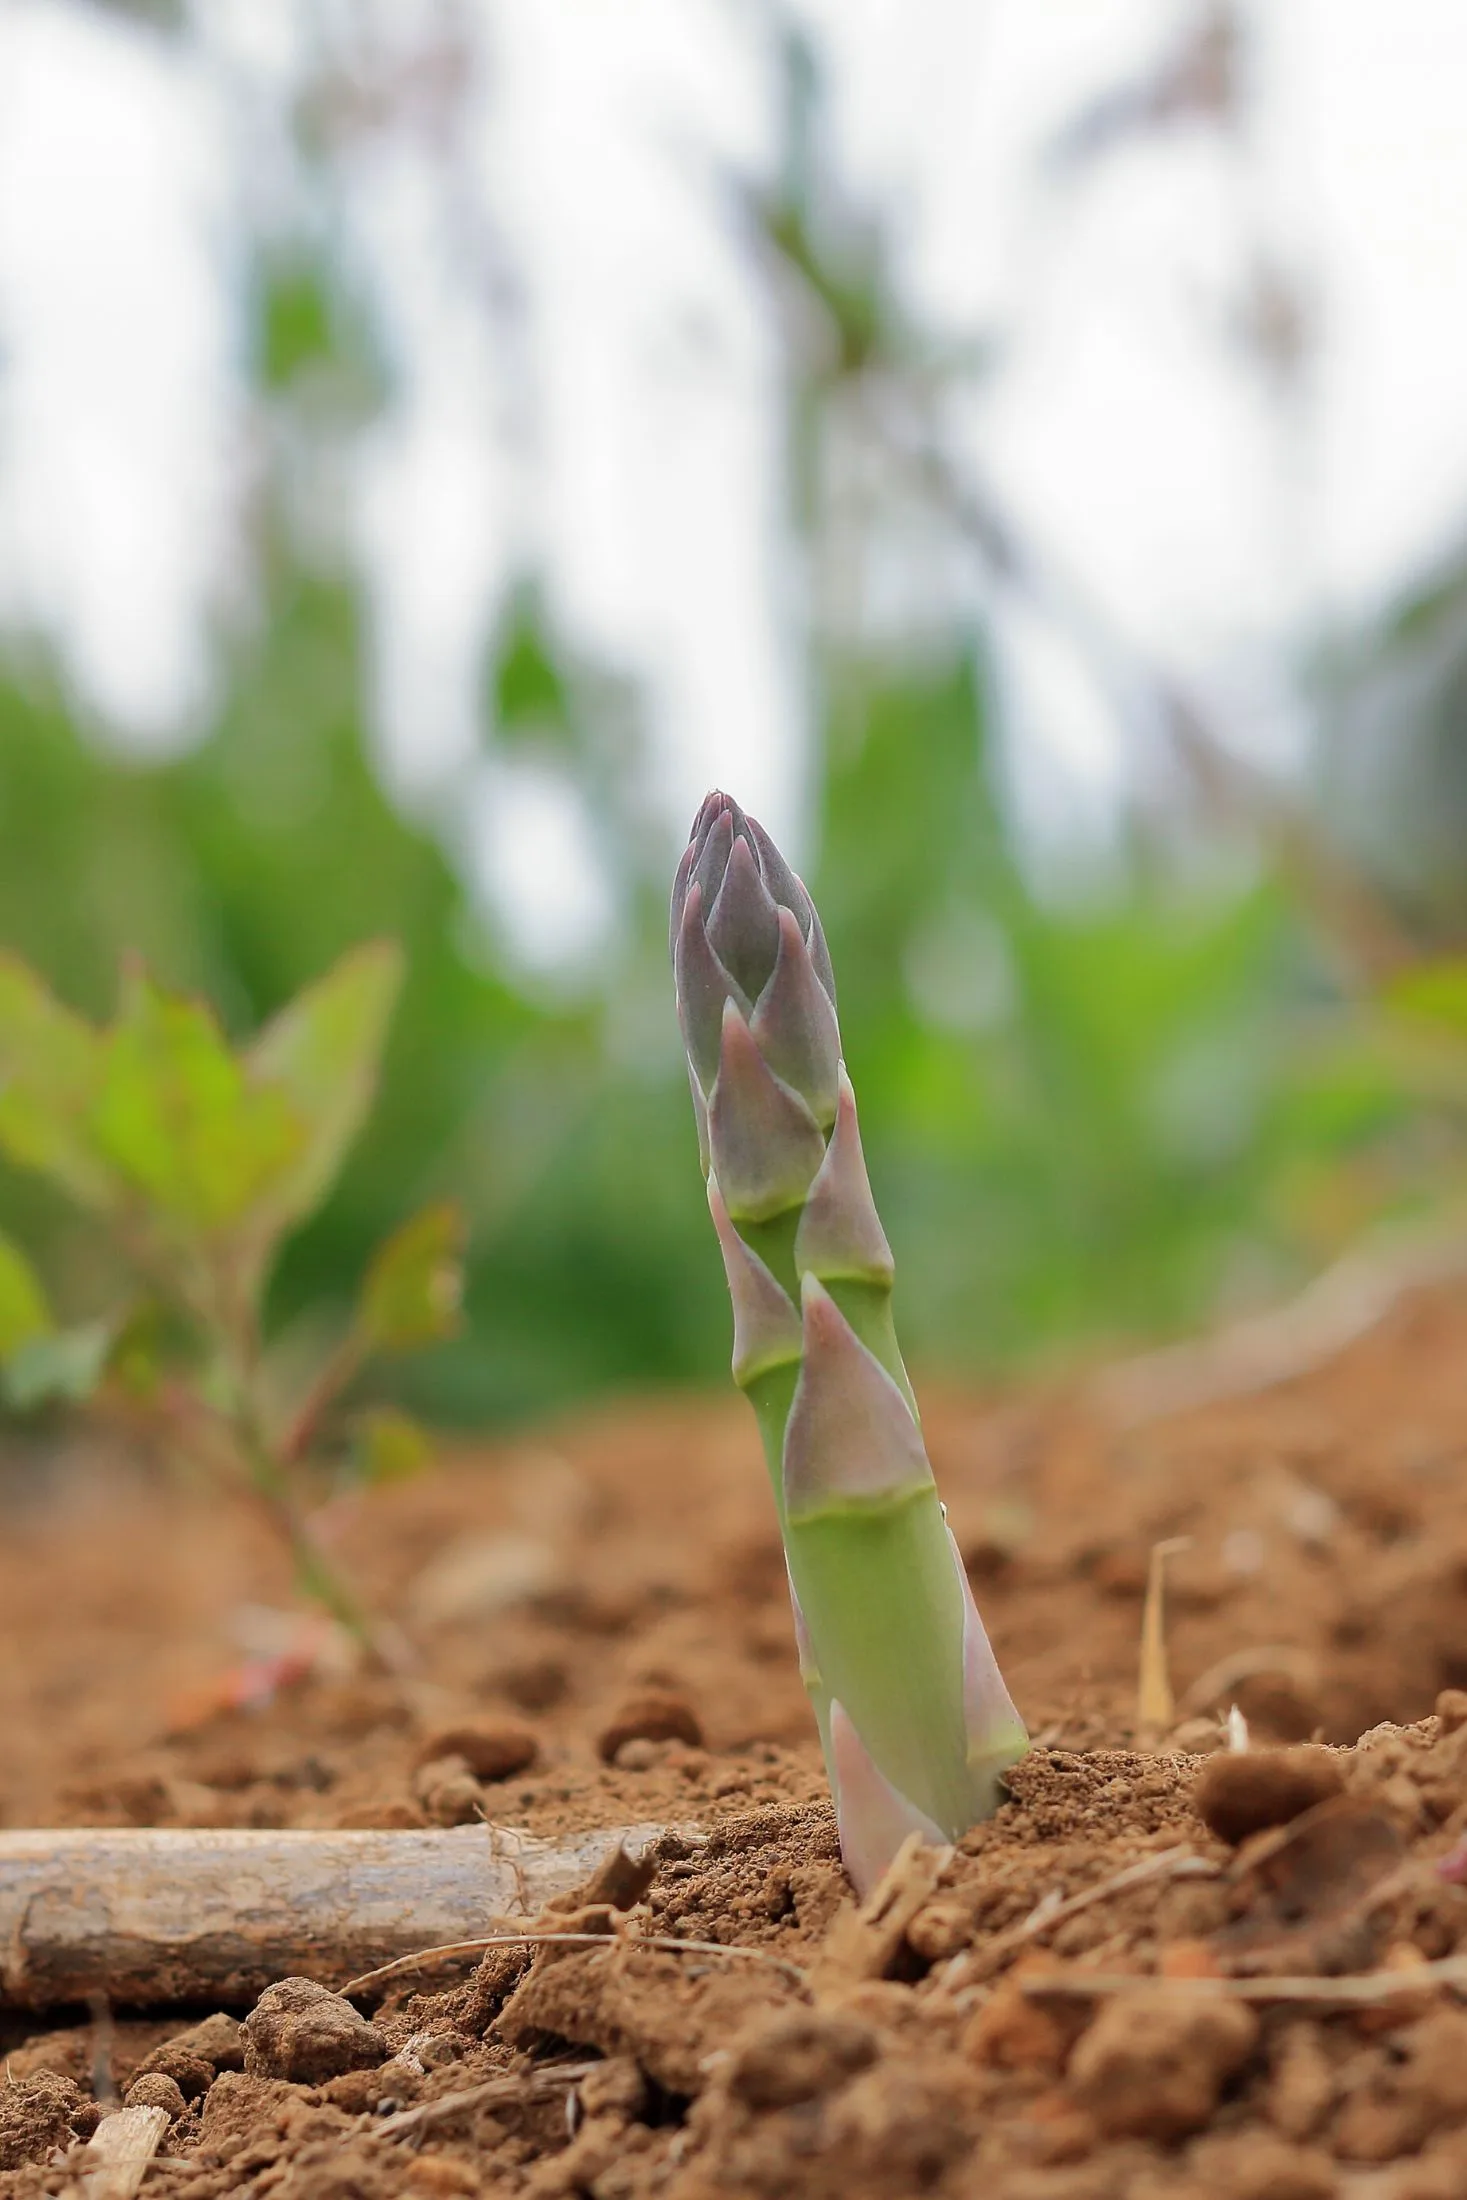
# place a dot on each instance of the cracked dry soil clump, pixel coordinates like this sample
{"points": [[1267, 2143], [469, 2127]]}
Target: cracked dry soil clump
{"points": [[1077, 2007]]}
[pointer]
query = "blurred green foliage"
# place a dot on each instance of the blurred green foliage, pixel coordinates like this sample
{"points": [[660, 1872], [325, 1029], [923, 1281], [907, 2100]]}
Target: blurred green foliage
{"points": [[190, 1159], [1085, 1121]]}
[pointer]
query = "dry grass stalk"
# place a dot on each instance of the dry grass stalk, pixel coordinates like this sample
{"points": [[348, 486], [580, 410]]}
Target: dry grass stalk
{"points": [[533, 2083], [1362, 1989], [664, 1943], [1156, 1708]]}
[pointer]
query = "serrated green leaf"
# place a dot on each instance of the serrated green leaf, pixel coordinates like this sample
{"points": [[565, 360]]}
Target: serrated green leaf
{"points": [[24, 1313], [50, 1061], [323, 1052], [1434, 991], [179, 1121], [390, 1447], [63, 1368], [413, 1291]]}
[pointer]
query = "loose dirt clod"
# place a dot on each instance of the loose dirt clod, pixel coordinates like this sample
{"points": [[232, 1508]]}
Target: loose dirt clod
{"points": [[36, 2115], [653, 1717], [154, 2090], [192, 2059], [801, 2057], [298, 2030], [1153, 2063], [449, 1792], [1242, 1791], [494, 1750]]}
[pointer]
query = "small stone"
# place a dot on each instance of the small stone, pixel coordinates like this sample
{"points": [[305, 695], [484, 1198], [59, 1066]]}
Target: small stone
{"points": [[801, 2058], [938, 1930], [1242, 1791], [154, 2090], [1014, 2031], [1451, 1709], [1154, 2062], [300, 2031], [448, 1791], [493, 1750], [218, 2040], [654, 1716], [1196, 1737], [615, 2087], [190, 2073], [536, 1684], [1301, 2087], [1253, 2165], [638, 1755]]}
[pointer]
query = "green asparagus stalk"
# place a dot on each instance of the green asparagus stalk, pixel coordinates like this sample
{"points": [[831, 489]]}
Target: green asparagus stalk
{"points": [[915, 1721]]}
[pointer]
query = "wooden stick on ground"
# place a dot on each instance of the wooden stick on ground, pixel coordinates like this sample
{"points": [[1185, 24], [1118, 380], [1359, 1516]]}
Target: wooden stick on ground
{"points": [[153, 1916]]}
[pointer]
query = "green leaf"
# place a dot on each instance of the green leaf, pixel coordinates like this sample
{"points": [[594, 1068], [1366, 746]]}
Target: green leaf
{"points": [[414, 1288], [50, 1062], [179, 1120], [24, 1313], [1434, 991], [389, 1447], [323, 1052], [60, 1369]]}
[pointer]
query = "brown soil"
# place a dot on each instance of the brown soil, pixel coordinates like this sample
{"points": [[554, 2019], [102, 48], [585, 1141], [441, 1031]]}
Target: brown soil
{"points": [[601, 1635]]}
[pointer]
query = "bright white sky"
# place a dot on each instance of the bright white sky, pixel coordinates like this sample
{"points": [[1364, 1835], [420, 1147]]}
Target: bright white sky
{"points": [[621, 429]]}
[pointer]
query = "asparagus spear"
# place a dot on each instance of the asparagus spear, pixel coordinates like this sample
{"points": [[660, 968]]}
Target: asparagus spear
{"points": [[915, 1721]]}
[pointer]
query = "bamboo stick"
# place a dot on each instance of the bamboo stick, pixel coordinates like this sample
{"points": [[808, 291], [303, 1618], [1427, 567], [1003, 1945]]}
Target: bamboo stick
{"points": [[151, 1916]]}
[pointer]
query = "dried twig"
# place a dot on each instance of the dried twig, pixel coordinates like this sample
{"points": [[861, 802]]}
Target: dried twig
{"points": [[863, 1942], [664, 1943], [506, 2088], [1360, 1989], [1176, 1863]]}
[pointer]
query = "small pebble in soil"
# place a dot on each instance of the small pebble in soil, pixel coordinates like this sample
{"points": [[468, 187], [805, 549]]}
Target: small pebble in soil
{"points": [[1451, 1709], [190, 2073], [1152, 2064], [448, 1791], [154, 2090], [537, 1684], [940, 1929], [300, 2031], [638, 1755], [1242, 1791], [1196, 1737], [654, 1716], [614, 2087], [492, 1750], [216, 2040], [800, 2057]]}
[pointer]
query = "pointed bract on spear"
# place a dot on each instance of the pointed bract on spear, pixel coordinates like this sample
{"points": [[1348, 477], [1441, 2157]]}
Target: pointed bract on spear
{"points": [[915, 1721]]}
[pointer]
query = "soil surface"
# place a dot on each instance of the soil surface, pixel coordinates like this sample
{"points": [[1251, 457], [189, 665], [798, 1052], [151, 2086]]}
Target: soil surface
{"points": [[1141, 1978]]}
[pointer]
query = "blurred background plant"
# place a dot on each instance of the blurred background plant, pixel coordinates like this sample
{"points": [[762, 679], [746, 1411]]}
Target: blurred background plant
{"points": [[191, 1160], [433, 447]]}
